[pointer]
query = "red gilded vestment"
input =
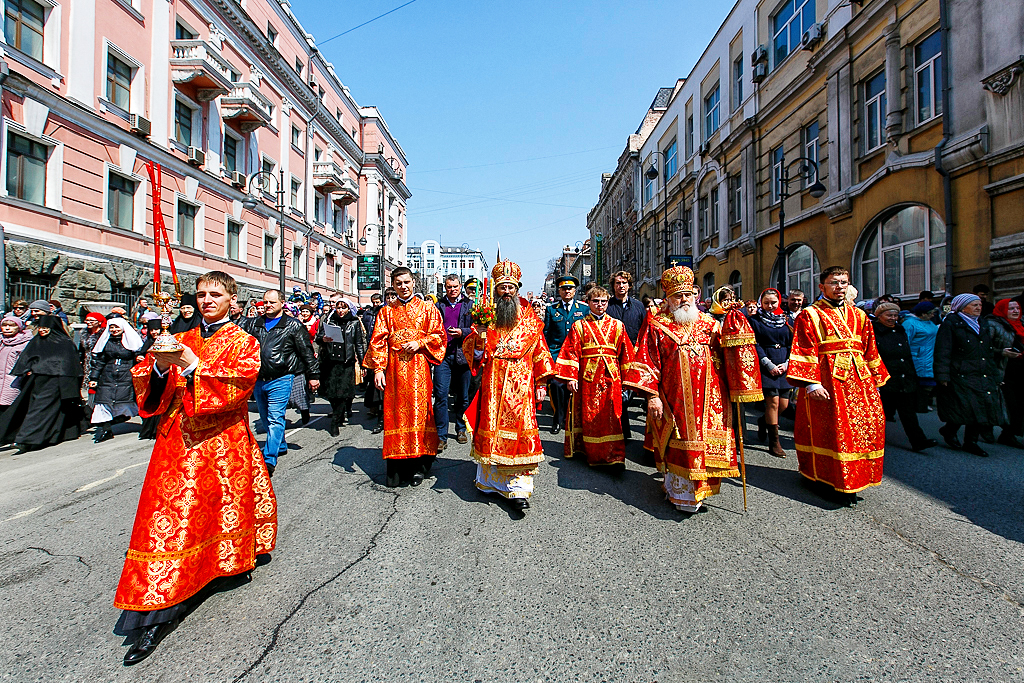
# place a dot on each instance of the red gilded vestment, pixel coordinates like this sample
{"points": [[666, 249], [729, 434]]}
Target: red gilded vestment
{"points": [[503, 414], [596, 354], [409, 428], [840, 441], [685, 365], [207, 507]]}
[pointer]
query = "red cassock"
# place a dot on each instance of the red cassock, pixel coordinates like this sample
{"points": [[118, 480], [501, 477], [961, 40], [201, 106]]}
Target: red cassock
{"points": [[596, 354], [207, 507], [409, 428], [685, 365], [840, 441]]}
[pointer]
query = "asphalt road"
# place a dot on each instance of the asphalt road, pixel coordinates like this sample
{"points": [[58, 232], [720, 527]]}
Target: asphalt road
{"points": [[602, 580]]}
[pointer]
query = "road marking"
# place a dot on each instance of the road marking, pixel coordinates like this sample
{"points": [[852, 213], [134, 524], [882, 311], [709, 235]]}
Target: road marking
{"points": [[23, 513], [315, 419], [100, 482]]}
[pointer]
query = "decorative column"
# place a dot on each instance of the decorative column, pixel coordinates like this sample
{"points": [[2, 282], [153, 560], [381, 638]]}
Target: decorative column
{"points": [[893, 98]]}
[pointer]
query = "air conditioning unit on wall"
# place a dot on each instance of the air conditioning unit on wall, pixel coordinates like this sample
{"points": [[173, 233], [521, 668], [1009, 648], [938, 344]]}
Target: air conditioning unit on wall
{"points": [[140, 125], [759, 55], [811, 37], [759, 73], [196, 156]]}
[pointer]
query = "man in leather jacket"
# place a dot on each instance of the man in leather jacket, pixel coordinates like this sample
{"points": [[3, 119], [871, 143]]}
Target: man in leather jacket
{"points": [[285, 351]]}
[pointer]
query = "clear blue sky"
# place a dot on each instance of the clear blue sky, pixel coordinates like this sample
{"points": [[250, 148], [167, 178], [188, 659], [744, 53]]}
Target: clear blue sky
{"points": [[472, 89]]}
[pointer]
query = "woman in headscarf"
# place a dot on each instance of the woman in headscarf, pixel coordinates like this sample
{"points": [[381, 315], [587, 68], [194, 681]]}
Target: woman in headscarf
{"points": [[153, 329], [899, 394], [969, 393], [13, 341], [111, 376], [774, 337], [95, 324], [921, 331], [49, 408], [187, 318], [1008, 333], [338, 358], [722, 295]]}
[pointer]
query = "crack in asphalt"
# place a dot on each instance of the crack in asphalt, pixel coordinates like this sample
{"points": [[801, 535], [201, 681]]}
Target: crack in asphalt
{"points": [[301, 603], [53, 554], [941, 559]]}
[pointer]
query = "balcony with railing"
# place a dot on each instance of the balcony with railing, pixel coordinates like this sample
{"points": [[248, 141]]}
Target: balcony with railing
{"points": [[198, 63], [246, 106], [331, 177]]}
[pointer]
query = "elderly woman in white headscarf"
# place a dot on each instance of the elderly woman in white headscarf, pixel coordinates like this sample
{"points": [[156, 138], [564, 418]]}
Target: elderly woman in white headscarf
{"points": [[968, 393], [111, 376]]}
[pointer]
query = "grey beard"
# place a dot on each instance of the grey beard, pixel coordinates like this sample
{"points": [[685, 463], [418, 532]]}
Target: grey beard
{"points": [[684, 315], [506, 312]]}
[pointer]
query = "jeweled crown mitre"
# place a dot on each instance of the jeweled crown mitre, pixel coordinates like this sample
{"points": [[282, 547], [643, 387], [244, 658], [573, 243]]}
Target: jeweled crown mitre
{"points": [[506, 272], [677, 280]]}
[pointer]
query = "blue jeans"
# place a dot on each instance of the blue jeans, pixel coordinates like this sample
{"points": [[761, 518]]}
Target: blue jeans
{"points": [[450, 376], [271, 401]]}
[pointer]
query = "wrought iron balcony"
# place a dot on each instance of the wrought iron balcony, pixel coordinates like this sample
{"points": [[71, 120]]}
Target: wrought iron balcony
{"points": [[246, 106], [197, 62]]}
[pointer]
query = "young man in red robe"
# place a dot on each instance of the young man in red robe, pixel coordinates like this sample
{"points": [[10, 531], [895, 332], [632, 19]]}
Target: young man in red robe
{"points": [[207, 508], [592, 361], [840, 423], [408, 338]]}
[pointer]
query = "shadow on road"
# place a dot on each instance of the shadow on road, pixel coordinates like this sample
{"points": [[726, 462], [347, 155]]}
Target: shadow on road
{"points": [[786, 482], [366, 460]]}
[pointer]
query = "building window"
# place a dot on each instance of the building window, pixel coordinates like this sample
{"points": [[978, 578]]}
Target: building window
{"points": [[182, 123], [788, 26], [339, 276], [230, 153], [709, 285], [737, 83], [321, 270], [430, 264], [802, 269], [713, 228], [689, 136], [187, 224], [688, 222], [904, 254], [811, 152], [298, 262], [736, 283], [268, 252], [470, 262], [298, 65], [120, 201], [271, 34], [671, 160], [648, 189], [711, 112], [234, 238], [296, 136], [119, 81], [295, 193], [339, 219], [928, 78], [430, 249], [319, 208], [702, 217], [26, 168], [182, 32], [23, 28], [874, 112], [735, 183], [776, 156]]}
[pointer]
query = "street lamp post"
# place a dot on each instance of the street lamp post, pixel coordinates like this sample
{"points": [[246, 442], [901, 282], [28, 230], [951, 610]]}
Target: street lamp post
{"points": [[652, 173], [808, 169], [251, 202]]}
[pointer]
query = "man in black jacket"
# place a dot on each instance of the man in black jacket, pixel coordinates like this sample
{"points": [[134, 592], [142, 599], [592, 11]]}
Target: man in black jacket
{"points": [[285, 351], [453, 372], [632, 314]]}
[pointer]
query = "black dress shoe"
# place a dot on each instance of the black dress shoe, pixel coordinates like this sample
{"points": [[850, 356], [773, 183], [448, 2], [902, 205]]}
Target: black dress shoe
{"points": [[270, 470], [520, 504], [378, 429], [927, 443], [333, 429], [975, 449], [305, 417], [417, 478], [556, 428], [103, 435], [147, 642], [950, 438]]}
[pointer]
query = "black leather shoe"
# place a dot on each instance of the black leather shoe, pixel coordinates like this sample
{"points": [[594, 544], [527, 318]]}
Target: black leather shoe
{"points": [[147, 642], [417, 479], [333, 429], [520, 504], [103, 435], [950, 438], [556, 428], [975, 449], [378, 429], [461, 437], [270, 470], [927, 443]]}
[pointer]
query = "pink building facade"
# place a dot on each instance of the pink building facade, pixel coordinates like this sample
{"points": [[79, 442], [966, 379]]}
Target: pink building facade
{"points": [[215, 92]]}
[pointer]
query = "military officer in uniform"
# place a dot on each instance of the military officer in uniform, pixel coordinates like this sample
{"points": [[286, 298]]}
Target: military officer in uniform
{"points": [[558, 318]]}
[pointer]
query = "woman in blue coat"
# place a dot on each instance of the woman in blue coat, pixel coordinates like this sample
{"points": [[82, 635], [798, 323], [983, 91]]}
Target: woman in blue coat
{"points": [[919, 324], [774, 337]]}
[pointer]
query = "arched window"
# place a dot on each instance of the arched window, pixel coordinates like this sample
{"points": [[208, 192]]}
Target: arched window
{"points": [[709, 285], [736, 282], [902, 253], [802, 270]]}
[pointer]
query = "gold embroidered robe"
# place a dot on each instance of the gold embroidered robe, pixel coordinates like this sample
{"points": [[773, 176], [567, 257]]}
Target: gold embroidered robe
{"points": [[840, 441], [207, 507], [409, 428], [503, 413], [596, 354], [684, 365]]}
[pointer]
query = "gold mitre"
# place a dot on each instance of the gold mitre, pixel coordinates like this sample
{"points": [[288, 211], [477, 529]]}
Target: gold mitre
{"points": [[506, 272], [677, 280]]}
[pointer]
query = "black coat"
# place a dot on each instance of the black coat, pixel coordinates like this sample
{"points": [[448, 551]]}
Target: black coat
{"points": [[285, 348], [963, 361], [465, 323], [632, 315], [773, 343], [111, 369], [353, 348], [894, 348]]}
